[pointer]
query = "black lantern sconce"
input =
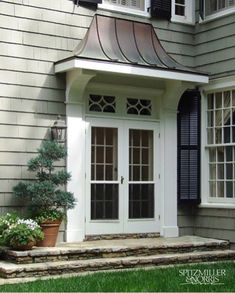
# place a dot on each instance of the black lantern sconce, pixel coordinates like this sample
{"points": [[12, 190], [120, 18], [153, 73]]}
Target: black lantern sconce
{"points": [[58, 130]]}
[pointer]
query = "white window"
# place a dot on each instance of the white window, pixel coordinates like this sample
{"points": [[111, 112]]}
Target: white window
{"points": [[137, 7], [215, 6], [218, 8], [132, 4], [183, 11], [221, 145]]}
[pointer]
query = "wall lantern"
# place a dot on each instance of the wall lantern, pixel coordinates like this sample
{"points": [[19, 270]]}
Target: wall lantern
{"points": [[58, 130]]}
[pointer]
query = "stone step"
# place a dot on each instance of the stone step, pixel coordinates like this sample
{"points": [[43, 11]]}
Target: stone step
{"points": [[10, 270], [121, 236], [115, 248]]}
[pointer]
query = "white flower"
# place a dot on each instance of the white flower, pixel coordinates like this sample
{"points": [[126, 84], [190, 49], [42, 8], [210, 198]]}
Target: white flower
{"points": [[29, 222]]}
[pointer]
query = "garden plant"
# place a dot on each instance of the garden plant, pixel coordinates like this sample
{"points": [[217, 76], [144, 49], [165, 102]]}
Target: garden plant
{"points": [[17, 233], [45, 197]]}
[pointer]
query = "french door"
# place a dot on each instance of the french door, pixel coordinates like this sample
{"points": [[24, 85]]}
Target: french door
{"points": [[122, 182]]}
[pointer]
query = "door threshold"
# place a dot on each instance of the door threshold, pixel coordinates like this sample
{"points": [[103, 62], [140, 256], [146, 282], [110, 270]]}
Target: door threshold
{"points": [[121, 236]]}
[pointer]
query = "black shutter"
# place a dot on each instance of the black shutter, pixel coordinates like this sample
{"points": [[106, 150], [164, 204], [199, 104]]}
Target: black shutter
{"points": [[87, 1], [161, 9], [189, 147], [201, 9]]}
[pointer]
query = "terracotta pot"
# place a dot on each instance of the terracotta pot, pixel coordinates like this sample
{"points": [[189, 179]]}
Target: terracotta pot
{"points": [[50, 230], [23, 247]]}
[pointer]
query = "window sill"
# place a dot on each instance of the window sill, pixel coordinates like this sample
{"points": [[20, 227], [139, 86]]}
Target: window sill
{"points": [[182, 20], [217, 205], [217, 15], [123, 10]]}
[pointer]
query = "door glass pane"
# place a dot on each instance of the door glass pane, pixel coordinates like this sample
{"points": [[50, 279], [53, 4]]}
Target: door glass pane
{"points": [[104, 154], [104, 201], [141, 201], [104, 196], [140, 155], [141, 195]]}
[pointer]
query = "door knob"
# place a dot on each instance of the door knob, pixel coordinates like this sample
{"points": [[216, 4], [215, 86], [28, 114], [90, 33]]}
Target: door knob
{"points": [[122, 179]]}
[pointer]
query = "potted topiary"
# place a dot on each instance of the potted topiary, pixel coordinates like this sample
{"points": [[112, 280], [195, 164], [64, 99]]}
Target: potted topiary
{"points": [[47, 200]]}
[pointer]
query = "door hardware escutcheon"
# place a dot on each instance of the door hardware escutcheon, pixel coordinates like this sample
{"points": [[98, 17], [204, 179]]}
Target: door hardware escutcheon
{"points": [[122, 179]]}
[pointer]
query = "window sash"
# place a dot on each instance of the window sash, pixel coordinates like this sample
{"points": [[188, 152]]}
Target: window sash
{"points": [[221, 145], [214, 6], [131, 4], [221, 118], [183, 11], [180, 8]]}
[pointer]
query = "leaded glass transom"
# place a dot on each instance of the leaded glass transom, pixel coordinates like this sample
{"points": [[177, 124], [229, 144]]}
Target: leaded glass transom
{"points": [[104, 104], [139, 107]]}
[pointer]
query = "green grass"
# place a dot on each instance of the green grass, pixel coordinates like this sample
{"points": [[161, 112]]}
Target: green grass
{"points": [[152, 280]]}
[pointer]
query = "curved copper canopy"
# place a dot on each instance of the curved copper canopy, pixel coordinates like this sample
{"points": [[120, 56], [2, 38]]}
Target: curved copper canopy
{"points": [[125, 41]]}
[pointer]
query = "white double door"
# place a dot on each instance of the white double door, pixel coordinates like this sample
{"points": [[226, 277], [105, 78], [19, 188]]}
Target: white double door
{"points": [[122, 177]]}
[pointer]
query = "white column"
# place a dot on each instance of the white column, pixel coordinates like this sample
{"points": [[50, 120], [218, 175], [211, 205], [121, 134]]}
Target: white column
{"points": [[76, 167], [76, 84], [169, 226]]}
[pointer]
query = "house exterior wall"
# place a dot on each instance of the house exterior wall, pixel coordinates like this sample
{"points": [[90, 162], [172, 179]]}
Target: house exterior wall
{"points": [[214, 47], [215, 223], [34, 34], [215, 54], [177, 39], [207, 222]]}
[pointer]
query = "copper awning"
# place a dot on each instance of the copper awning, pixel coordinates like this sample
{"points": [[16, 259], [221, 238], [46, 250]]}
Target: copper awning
{"points": [[125, 42]]}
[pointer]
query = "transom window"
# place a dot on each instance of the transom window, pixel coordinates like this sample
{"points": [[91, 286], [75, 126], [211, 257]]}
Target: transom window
{"points": [[215, 6], [221, 144], [119, 106], [105, 104], [138, 107]]}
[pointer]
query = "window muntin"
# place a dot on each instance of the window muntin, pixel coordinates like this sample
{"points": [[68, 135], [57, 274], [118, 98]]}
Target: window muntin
{"points": [[221, 118], [104, 173], [104, 154], [141, 187], [221, 144], [215, 6], [140, 155]]}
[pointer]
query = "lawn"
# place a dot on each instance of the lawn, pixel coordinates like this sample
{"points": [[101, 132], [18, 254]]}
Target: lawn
{"points": [[171, 279]]}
